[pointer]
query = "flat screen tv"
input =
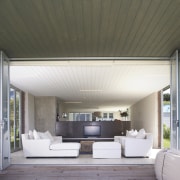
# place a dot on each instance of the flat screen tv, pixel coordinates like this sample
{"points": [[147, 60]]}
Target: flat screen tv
{"points": [[92, 131]]}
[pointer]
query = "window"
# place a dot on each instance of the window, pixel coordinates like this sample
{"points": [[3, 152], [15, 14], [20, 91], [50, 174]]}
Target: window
{"points": [[111, 116], [105, 115], [80, 116]]}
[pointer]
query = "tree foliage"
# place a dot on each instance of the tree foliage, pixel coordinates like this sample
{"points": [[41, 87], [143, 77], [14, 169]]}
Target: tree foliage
{"points": [[166, 97]]}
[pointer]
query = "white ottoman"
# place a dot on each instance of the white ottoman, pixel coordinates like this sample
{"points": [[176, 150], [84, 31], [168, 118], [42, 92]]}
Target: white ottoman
{"points": [[106, 150]]}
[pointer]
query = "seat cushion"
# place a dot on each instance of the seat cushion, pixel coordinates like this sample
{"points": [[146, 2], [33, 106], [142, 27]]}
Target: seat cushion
{"points": [[106, 145], [64, 146]]}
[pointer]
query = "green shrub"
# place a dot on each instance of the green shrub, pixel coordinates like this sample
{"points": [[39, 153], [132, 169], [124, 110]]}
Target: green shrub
{"points": [[166, 143], [166, 132]]}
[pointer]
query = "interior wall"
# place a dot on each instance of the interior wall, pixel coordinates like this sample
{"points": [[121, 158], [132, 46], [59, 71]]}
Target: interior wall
{"points": [[60, 107], [144, 114], [116, 114], [45, 113], [29, 112]]}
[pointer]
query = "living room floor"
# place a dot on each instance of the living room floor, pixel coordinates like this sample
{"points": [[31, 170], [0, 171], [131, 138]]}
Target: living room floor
{"points": [[83, 159]]}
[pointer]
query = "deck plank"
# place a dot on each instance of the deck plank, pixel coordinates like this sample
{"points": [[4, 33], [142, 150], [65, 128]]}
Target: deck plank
{"points": [[55, 172]]}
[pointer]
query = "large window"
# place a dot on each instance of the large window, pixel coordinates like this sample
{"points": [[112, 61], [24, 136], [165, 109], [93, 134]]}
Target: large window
{"points": [[15, 118], [88, 117]]}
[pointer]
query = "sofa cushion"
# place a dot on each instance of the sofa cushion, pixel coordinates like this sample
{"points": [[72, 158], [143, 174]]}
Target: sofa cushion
{"points": [[64, 146]]}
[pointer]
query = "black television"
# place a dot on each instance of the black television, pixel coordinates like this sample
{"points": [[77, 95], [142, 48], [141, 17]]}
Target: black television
{"points": [[92, 131]]}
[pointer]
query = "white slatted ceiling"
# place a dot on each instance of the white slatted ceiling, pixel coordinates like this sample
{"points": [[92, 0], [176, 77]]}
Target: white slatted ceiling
{"points": [[119, 85]]}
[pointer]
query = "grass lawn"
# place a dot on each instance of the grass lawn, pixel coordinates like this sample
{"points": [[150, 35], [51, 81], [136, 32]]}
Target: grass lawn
{"points": [[166, 143]]}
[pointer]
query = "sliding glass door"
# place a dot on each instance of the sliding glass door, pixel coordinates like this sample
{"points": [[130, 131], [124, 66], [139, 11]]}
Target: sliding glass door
{"points": [[175, 100], [4, 112]]}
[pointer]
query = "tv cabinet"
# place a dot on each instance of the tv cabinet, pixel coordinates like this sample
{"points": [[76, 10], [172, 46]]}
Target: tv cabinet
{"points": [[73, 130], [86, 139]]}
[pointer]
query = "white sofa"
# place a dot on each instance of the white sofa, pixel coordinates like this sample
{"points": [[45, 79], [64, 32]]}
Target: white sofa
{"points": [[167, 165], [135, 147], [106, 150], [48, 147]]}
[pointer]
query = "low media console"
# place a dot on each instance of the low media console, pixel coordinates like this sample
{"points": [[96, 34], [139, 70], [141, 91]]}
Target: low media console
{"points": [[81, 130], [86, 139]]}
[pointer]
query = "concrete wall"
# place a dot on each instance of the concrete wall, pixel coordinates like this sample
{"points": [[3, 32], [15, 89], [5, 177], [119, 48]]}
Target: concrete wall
{"points": [[144, 114], [29, 112], [45, 113], [60, 107]]}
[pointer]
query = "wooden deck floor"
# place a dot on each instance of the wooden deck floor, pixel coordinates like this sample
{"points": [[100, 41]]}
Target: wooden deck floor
{"points": [[52, 172]]}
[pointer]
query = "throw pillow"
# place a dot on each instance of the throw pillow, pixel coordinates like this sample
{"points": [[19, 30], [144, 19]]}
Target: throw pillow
{"points": [[141, 134], [35, 134], [129, 132], [132, 133], [43, 135], [30, 135], [49, 135]]}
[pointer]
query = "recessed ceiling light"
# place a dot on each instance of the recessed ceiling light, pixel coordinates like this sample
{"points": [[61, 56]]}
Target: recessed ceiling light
{"points": [[91, 90], [73, 102]]}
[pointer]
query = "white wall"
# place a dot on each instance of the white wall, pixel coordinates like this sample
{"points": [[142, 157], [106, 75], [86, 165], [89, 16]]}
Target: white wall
{"points": [[29, 112], [116, 115], [144, 114]]}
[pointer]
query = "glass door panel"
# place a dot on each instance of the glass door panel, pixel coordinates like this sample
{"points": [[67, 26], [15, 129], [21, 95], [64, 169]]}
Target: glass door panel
{"points": [[12, 118], [15, 118], [166, 121], [17, 121], [4, 112]]}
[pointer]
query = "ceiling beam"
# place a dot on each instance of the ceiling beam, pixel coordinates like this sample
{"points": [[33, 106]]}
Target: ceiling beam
{"points": [[88, 58]]}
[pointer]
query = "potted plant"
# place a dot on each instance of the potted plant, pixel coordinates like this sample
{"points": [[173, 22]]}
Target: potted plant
{"points": [[124, 113]]}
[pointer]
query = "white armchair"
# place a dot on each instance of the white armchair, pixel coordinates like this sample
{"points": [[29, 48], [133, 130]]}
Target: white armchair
{"points": [[135, 147]]}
